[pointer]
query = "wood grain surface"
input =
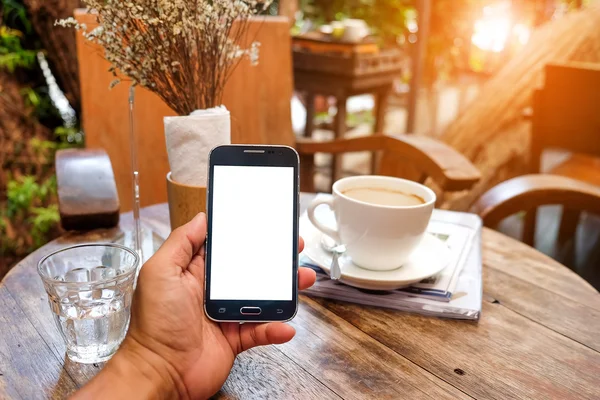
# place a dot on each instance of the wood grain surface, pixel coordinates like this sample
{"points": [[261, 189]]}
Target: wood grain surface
{"points": [[185, 202], [278, 376], [580, 166], [537, 338]]}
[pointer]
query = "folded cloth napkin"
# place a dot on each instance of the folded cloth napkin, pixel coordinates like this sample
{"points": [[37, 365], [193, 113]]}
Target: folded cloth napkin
{"points": [[190, 140]]}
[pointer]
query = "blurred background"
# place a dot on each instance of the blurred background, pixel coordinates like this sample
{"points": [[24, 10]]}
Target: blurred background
{"points": [[461, 71]]}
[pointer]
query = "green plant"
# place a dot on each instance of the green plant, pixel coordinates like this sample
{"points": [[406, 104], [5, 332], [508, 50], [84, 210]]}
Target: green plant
{"points": [[30, 213], [20, 194], [43, 148], [25, 192], [387, 18], [39, 101], [12, 54], [28, 210], [68, 136], [42, 221], [15, 14]]}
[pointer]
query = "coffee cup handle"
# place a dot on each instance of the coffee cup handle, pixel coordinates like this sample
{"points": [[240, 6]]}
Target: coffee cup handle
{"points": [[333, 233]]}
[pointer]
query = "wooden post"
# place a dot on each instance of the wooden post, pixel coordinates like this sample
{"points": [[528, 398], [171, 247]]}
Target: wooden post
{"points": [[307, 172], [339, 128], [381, 104], [310, 114], [418, 62], [288, 8]]}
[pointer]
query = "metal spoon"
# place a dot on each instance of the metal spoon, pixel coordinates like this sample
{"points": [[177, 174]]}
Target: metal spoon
{"points": [[329, 245]]}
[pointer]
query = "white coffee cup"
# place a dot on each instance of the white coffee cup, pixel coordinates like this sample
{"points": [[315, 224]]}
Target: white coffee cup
{"points": [[377, 236]]}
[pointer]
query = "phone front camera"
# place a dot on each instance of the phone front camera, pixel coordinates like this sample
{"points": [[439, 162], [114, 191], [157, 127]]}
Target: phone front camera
{"points": [[281, 153]]}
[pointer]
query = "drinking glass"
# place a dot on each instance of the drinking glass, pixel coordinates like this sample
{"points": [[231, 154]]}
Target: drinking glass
{"points": [[89, 288]]}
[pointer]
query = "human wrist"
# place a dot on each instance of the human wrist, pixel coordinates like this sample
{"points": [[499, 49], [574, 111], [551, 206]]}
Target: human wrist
{"points": [[136, 372]]}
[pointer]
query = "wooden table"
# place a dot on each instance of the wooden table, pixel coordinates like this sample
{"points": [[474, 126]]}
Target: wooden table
{"points": [[342, 76], [538, 338]]}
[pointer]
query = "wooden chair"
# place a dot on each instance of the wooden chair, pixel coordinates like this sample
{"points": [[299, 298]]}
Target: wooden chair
{"points": [[529, 192], [565, 116], [408, 156]]}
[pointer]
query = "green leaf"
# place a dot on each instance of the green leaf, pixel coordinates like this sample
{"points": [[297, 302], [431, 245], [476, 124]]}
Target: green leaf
{"points": [[20, 194], [12, 54], [42, 147], [15, 12], [30, 96], [49, 186], [43, 219], [70, 136]]}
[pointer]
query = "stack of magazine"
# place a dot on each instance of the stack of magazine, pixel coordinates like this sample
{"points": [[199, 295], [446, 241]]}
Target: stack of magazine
{"points": [[456, 292]]}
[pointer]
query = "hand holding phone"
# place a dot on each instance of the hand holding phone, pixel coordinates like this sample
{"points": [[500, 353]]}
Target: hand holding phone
{"points": [[172, 349], [252, 243]]}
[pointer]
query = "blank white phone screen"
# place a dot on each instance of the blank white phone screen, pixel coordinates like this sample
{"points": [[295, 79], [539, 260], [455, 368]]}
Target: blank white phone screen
{"points": [[252, 233]]}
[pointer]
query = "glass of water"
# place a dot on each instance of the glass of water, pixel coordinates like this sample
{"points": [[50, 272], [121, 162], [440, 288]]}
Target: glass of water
{"points": [[89, 288]]}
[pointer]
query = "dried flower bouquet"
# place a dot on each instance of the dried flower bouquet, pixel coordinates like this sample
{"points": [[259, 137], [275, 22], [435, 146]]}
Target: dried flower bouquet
{"points": [[182, 50]]}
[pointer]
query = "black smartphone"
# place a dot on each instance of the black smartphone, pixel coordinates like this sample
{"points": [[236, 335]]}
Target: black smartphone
{"points": [[252, 241]]}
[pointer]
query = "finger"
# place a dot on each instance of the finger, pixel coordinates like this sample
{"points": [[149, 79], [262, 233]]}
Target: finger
{"points": [[252, 335], [300, 245], [306, 278], [182, 244], [196, 268]]}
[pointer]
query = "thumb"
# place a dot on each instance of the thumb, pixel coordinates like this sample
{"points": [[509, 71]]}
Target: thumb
{"points": [[181, 245], [252, 335]]}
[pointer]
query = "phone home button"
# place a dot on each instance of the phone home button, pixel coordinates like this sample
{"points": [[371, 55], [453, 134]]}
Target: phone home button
{"points": [[250, 310]]}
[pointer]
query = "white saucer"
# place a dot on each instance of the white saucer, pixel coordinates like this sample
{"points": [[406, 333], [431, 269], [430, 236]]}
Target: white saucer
{"points": [[430, 258]]}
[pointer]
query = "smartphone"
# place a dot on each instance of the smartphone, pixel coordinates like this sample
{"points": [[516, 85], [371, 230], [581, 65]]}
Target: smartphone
{"points": [[252, 240]]}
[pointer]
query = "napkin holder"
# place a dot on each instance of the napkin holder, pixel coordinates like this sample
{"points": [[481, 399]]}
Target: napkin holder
{"points": [[185, 202]]}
